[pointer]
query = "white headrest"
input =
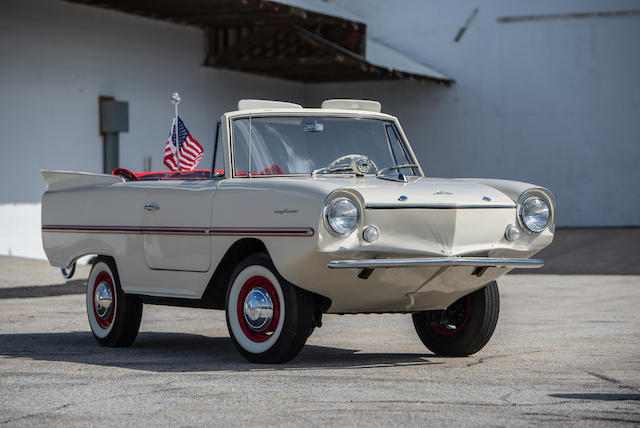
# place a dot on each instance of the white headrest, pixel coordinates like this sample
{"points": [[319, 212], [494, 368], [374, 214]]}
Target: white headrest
{"points": [[344, 104], [268, 104]]}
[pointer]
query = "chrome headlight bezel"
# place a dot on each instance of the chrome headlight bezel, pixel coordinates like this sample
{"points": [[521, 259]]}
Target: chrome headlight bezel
{"points": [[525, 198], [530, 225], [331, 221]]}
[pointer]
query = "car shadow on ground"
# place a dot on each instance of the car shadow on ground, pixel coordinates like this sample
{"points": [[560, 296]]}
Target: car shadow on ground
{"points": [[598, 397], [181, 352], [76, 286]]}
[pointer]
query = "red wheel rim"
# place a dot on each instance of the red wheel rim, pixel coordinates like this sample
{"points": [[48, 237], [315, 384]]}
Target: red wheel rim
{"points": [[443, 329], [104, 323], [250, 333]]}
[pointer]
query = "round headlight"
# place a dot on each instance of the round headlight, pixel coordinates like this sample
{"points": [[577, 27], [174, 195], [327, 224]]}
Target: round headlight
{"points": [[343, 216], [535, 214]]}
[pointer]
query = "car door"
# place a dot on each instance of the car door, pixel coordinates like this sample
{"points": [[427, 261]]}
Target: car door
{"points": [[176, 222]]}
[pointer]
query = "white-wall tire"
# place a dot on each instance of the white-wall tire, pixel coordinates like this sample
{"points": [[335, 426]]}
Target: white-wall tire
{"points": [[286, 312], [100, 327], [114, 317], [242, 280]]}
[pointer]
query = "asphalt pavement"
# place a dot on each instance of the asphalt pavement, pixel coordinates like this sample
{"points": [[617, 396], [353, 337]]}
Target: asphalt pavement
{"points": [[592, 250], [566, 352]]}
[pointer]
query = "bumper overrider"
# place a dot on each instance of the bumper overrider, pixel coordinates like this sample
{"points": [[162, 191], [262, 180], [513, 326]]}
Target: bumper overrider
{"points": [[436, 261]]}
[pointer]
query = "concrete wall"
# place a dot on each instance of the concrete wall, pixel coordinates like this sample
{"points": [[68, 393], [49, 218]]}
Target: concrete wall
{"points": [[554, 102], [549, 101], [58, 57]]}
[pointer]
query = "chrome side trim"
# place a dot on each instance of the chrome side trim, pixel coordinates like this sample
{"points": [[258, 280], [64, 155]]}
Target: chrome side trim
{"points": [[91, 229], [262, 231], [197, 231], [432, 206], [436, 261]]}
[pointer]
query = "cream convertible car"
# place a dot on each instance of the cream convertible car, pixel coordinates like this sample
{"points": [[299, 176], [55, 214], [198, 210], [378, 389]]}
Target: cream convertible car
{"points": [[305, 212]]}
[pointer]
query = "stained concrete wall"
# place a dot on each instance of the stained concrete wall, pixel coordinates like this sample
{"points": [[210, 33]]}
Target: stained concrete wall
{"points": [[554, 101]]}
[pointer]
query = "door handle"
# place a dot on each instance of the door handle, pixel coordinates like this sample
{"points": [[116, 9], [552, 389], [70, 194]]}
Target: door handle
{"points": [[151, 207]]}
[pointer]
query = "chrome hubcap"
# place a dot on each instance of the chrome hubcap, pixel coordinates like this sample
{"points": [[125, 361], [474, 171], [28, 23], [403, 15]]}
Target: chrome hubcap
{"points": [[258, 309], [103, 299]]}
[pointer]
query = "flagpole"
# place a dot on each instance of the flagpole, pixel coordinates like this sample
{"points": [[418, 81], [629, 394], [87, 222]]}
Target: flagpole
{"points": [[175, 100]]}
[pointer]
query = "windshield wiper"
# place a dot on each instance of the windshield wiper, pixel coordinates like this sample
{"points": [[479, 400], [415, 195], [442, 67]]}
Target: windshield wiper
{"points": [[327, 170], [400, 177], [401, 166]]}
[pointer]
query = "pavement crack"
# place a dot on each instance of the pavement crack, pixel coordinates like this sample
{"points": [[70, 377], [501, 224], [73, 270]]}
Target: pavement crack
{"points": [[66, 405], [603, 377], [493, 357], [584, 418], [31, 415], [612, 380]]}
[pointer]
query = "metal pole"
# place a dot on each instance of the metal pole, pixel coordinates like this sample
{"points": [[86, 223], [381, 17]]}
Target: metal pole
{"points": [[177, 140], [250, 130], [109, 152], [175, 100]]}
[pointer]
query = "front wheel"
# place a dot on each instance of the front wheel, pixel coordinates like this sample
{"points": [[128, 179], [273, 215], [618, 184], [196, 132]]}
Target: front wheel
{"points": [[114, 316], [464, 327], [269, 319]]}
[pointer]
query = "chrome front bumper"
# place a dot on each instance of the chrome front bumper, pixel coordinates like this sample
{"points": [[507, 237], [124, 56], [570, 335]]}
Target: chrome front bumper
{"points": [[436, 261]]}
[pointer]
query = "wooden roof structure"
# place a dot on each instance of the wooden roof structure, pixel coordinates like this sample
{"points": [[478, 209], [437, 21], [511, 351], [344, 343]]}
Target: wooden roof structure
{"points": [[275, 39]]}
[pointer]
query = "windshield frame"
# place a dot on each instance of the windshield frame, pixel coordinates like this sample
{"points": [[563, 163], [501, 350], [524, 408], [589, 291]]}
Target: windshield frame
{"points": [[383, 118]]}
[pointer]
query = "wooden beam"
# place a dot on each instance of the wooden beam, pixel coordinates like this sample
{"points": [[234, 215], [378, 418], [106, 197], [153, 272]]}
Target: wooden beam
{"points": [[253, 39]]}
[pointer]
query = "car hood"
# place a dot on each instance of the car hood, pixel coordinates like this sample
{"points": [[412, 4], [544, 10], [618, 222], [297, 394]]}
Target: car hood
{"points": [[418, 192], [426, 192]]}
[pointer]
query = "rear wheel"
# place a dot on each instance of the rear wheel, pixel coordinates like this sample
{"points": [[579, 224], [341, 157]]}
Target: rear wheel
{"points": [[269, 319], [464, 327], [114, 316]]}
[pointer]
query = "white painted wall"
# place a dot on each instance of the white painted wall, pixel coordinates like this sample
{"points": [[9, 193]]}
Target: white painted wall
{"points": [[58, 57], [20, 230], [552, 102]]}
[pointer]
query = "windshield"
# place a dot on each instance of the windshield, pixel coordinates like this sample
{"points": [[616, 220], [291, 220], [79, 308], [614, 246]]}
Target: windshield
{"points": [[303, 144]]}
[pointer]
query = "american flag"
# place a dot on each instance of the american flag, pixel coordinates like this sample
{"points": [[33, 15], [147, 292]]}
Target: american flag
{"points": [[190, 150]]}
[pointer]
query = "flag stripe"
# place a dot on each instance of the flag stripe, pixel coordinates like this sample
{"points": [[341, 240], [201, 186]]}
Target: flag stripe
{"points": [[187, 155], [189, 150]]}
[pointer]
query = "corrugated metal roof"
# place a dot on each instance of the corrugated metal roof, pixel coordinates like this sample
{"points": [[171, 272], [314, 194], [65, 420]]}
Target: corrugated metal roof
{"points": [[325, 8], [377, 52], [303, 40], [382, 55]]}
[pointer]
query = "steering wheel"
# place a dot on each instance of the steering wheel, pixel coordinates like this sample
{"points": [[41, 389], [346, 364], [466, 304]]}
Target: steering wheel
{"points": [[345, 159], [360, 164]]}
